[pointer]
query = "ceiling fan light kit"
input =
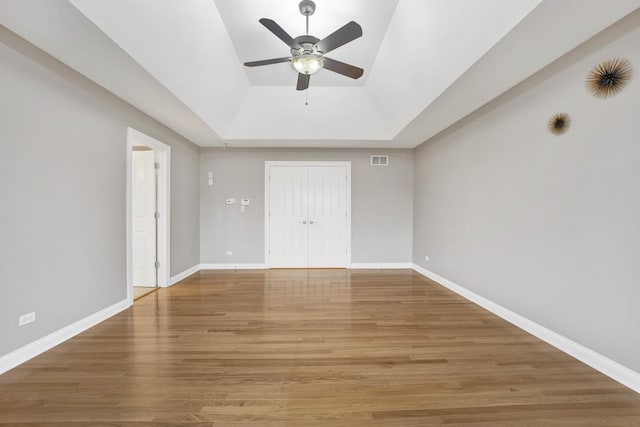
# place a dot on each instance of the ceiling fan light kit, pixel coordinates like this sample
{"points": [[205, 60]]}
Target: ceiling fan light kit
{"points": [[307, 63], [307, 52]]}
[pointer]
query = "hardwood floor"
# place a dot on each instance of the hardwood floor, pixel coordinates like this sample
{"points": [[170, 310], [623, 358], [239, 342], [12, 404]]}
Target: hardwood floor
{"points": [[139, 292], [310, 348]]}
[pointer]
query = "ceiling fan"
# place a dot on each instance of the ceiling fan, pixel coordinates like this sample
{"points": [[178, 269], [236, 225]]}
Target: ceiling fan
{"points": [[308, 51]]}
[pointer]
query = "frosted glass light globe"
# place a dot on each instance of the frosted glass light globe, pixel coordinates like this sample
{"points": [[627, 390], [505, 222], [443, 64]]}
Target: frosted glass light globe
{"points": [[307, 63]]}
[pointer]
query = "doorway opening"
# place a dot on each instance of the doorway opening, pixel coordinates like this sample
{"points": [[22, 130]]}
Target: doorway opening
{"points": [[308, 214], [148, 167]]}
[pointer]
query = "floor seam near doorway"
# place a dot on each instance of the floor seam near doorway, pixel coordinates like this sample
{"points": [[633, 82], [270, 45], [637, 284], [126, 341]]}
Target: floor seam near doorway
{"points": [[140, 292]]}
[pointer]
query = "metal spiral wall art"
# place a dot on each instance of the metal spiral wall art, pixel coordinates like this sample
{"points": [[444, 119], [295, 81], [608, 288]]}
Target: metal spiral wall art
{"points": [[559, 123], [609, 77]]}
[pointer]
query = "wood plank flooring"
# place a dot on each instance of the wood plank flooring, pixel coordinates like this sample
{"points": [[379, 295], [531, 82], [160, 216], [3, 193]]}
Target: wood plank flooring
{"points": [[309, 348], [139, 292]]}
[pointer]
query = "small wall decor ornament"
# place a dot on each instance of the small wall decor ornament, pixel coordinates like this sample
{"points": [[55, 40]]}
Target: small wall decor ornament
{"points": [[609, 78], [559, 123]]}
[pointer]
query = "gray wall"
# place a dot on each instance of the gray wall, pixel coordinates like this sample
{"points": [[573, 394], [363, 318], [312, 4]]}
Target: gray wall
{"points": [[381, 205], [62, 189], [546, 226]]}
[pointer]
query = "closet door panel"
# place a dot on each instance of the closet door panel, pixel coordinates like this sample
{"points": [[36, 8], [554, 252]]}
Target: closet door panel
{"points": [[327, 216], [288, 210]]}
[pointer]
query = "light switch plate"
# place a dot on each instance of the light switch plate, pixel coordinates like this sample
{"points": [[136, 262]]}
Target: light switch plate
{"points": [[245, 202], [230, 201]]}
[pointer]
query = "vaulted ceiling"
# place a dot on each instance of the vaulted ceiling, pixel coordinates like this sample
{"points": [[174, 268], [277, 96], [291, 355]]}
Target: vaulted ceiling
{"points": [[428, 63]]}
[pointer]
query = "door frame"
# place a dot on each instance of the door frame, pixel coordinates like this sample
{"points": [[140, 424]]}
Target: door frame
{"points": [[267, 199], [163, 158]]}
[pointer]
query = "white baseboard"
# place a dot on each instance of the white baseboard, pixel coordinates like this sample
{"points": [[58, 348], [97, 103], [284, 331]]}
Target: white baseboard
{"points": [[181, 276], [379, 265], [29, 351], [231, 266], [357, 265], [610, 368]]}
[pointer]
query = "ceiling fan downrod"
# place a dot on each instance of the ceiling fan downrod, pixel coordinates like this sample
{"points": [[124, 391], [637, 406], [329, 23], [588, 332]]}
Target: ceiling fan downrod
{"points": [[307, 7]]}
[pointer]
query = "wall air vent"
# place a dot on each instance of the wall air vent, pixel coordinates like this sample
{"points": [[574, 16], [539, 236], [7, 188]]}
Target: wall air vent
{"points": [[379, 160]]}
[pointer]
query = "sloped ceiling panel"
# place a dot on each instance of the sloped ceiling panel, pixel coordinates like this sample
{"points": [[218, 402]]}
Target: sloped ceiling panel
{"points": [[184, 45], [65, 33], [429, 44]]}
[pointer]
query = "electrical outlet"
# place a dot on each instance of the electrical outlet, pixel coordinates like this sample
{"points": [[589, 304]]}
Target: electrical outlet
{"points": [[426, 257], [229, 252], [27, 318]]}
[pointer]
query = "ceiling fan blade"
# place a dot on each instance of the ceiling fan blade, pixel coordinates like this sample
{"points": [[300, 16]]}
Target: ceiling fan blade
{"points": [[342, 68], [267, 62], [341, 36], [303, 81], [279, 32]]}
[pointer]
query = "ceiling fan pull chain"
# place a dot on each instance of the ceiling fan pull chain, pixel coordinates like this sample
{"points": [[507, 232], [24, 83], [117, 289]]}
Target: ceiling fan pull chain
{"points": [[306, 97]]}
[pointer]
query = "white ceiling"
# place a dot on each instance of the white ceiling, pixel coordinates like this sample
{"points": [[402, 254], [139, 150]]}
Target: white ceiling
{"points": [[428, 63]]}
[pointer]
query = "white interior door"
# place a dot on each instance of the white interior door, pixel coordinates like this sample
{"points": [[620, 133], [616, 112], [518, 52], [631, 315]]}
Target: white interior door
{"points": [[308, 216], [144, 220], [288, 230], [327, 216]]}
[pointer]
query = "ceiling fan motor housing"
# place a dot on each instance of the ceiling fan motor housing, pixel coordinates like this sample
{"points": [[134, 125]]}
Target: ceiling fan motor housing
{"points": [[307, 43]]}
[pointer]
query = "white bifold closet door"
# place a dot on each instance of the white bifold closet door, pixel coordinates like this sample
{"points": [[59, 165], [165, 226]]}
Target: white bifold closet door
{"points": [[308, 216]]}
